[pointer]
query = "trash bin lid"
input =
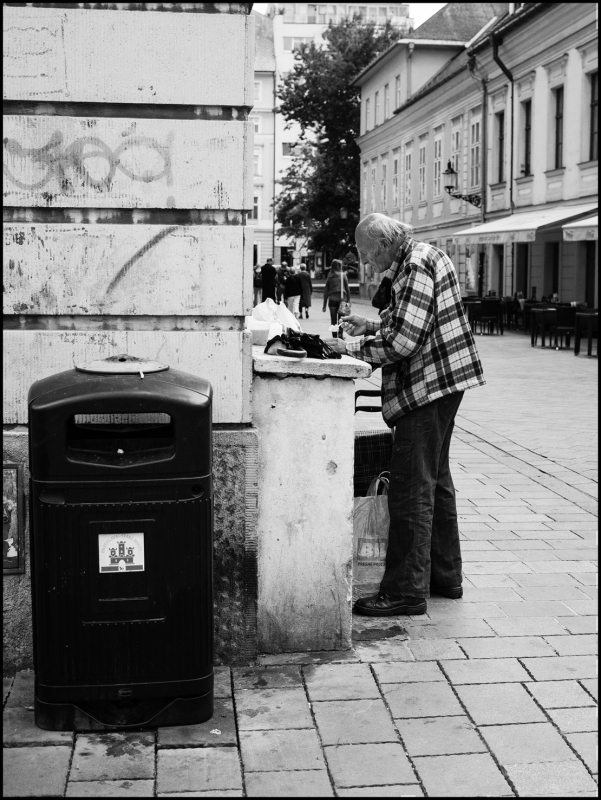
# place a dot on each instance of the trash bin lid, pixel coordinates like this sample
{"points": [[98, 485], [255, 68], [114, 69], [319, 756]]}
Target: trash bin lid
{"points": [[123, 364]]}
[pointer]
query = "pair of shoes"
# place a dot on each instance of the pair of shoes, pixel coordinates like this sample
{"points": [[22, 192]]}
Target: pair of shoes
{"points": [[453, 592], [306, 315], [280, 346], [382, 605]]}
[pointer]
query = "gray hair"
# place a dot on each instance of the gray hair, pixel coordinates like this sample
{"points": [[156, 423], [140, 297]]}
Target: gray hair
{"points": [[387, 232]]}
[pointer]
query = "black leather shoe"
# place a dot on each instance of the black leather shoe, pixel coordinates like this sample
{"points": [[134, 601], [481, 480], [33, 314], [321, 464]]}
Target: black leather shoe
{"points": [[453, 592], [381, 605]]}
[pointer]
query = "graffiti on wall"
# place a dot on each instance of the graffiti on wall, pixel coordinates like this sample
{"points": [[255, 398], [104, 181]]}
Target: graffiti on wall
{"points": [[88, 161]]}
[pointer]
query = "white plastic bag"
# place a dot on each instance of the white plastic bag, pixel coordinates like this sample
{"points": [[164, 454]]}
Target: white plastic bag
{"points": [[371, 522], [287, 318], [266, 311]]}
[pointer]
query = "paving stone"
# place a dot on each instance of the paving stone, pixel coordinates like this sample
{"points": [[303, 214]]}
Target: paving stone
{"points": [[411, 790], [369, 764], [576, 554], [592, 687], [475, 595], [113, 756], [489, 555], [223, 682], [545, 579], [435, 650], [19, 729], [408, 673], [265, 751], [279, 677], [586, 745], [529, 626], [313, 657], [541, 608], [561, 566], [491, 670], [340, 682], [389, 650], [451, 629], [353, 722], [198, 769], [498, 568], [223, 720], [587, 579], [527, 743], [35, 771], [575, 720], [586, 608], [546, 779], [499, 703], [471, 610], [470, 775], [561, 667], [6, 686], [563, 593], [506, 647], [560, 694], [409, 700], [22, 692], [214, 793], [110, 789], [267, 709], [314, 783], [492, 581], [580, 624], [582, 645], [439, 736]]}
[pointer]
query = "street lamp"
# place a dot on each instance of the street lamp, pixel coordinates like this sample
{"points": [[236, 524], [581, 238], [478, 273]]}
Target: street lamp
{"points": [[451, 187]]}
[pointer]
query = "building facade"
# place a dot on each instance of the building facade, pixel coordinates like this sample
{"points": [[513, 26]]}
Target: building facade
{"points": [[488, 136]]}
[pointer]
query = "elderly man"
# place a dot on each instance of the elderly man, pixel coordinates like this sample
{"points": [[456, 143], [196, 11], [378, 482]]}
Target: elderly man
{"points": [[425, 347]]}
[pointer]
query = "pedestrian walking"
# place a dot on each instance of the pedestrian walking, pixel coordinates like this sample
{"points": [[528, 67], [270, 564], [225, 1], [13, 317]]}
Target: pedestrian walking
{"points": [[335, 291], [292, 292], [257, 284], [424, 344], [282, 274], [306, 290], [269, 279]]}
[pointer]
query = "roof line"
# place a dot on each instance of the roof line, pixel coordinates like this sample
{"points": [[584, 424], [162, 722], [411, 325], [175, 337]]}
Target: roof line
{"points": [[429, 42], [509, 21]]}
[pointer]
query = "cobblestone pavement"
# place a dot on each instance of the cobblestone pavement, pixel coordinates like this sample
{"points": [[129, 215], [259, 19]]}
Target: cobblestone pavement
{"points": [[491, 695]]}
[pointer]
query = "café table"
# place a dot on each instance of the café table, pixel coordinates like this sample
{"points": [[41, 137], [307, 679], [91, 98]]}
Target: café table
{"points": [[542, 317], [590, 322]]}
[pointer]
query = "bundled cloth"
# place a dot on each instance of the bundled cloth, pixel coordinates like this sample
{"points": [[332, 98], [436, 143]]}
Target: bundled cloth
{"points": [[371, 522]]}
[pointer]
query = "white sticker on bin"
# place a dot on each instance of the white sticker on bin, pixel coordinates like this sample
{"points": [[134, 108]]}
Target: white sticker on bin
{"points": [[121, 552]]}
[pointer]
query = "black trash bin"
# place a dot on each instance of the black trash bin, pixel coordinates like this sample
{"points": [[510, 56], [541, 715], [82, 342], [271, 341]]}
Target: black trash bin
{"points": [[121, 546]]}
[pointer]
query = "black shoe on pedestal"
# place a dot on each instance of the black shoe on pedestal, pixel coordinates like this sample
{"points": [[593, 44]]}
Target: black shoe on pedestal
{"points": [[382, 605]]}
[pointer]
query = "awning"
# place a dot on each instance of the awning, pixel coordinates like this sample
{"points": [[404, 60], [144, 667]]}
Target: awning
{"points": [[583, 230], [520, 227]]}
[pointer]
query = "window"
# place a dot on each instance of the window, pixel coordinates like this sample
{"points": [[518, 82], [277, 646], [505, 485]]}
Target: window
{"points": [[527, 133], [386, 103], [372, 205], [257, 90], [500, 124], [254, 214], [558, 152], [456, 149], [292, 43], [594, 126], [475, 154], [256, 121], [376, 109], [384, 185], [395, 179], [364, 199], [287, 149], [408, 177], [256, 163], [397, 91], [367, 114], [422, 171], [438, 166]]}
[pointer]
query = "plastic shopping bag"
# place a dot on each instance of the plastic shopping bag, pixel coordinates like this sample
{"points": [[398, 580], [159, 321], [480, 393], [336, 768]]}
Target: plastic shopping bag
{"points": [[286, 317], [266, 311], [371, 522]]}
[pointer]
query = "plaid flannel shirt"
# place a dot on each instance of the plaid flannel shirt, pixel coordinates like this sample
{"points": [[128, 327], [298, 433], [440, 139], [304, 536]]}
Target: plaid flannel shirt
{"points": [[423, 341]]}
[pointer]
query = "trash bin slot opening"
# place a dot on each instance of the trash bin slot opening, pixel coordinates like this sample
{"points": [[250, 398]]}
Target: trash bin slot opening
{"points": [[120, 439]]}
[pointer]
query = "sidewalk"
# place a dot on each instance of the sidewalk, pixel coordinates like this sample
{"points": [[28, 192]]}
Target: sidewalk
{"points": [[491, 695]]}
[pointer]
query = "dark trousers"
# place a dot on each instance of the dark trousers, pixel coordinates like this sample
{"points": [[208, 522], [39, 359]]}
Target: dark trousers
{"points": [[333, 306], [423, 541]]}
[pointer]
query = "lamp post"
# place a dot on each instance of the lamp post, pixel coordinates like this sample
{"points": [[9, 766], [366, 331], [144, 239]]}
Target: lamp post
{"points": [[451, 187]]}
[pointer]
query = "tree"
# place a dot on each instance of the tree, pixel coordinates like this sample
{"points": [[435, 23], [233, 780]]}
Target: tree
{"points": [[324, 174]]}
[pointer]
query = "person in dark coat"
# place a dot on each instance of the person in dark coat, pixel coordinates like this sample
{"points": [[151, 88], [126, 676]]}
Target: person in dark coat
{"points": [[282, 274], [306, 290], [268, 279], [292, 292], [336, 290]]}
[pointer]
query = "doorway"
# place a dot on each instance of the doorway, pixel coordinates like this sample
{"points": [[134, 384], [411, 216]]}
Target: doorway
{"points": [[590, 274], [522, 258]]}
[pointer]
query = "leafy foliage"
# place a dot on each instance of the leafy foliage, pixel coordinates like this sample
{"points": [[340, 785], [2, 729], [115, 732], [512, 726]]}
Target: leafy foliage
{"points": [[318, 96]]}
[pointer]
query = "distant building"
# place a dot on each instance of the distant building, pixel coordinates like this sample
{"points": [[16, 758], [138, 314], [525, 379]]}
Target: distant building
{"points": [[491, 148], [293, 24]]}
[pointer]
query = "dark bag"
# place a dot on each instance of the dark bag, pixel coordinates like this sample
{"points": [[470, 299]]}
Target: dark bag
{"points": [[383, 295], [312, 343]]}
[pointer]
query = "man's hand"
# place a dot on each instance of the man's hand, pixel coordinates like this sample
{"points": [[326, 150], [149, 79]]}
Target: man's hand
{"points": [[337, 344], [353, 325]]}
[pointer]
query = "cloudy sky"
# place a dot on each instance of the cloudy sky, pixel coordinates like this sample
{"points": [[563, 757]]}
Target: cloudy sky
{"points": [[419, 12]]}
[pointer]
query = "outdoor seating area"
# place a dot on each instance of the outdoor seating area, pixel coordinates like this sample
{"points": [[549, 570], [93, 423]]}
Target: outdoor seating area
{"points": [[556, 325]]}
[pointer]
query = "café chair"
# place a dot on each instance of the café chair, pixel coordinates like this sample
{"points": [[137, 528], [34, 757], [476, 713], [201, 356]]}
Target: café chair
{"points": [[563, 324], [537, 323], [490, 315]]}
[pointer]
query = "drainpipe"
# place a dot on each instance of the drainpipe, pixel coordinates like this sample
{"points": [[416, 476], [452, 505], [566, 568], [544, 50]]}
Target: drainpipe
{"points": [[411, 48], [495, 41]]}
